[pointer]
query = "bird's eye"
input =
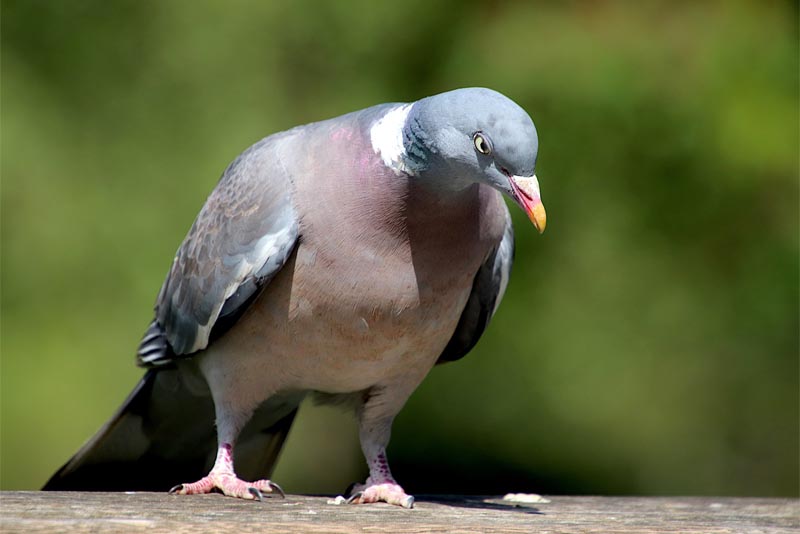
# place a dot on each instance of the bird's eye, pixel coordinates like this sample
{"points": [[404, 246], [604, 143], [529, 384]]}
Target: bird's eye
{"points": [[482, 143]]}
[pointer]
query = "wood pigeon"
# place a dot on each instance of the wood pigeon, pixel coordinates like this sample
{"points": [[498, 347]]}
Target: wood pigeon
{"points": [[343, 258]]}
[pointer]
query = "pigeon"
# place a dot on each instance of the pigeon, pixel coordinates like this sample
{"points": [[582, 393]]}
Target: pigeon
{"points": [[342, 259]]}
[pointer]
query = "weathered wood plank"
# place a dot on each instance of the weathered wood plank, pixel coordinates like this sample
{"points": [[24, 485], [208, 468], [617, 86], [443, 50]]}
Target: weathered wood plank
{"points": [[154, 513]]}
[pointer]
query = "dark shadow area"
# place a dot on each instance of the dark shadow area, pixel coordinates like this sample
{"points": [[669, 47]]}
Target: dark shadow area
{"points": [[475, 501]]}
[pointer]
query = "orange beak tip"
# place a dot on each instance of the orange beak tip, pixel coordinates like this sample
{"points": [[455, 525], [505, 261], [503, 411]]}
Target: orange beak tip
{"points": [[538, 216]]}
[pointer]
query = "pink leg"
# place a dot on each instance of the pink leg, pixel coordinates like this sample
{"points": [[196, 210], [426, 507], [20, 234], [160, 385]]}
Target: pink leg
{"points": [[380, 486], [375, 427], [224, 479]]}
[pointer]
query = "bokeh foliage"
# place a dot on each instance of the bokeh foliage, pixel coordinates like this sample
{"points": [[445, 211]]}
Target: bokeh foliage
{"points": [[648, 342]]}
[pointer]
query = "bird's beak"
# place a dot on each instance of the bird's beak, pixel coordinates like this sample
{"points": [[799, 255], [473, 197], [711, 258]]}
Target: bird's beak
{"points": [[526, 193]]}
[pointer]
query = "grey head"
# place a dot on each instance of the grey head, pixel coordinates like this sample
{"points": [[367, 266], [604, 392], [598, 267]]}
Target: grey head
{"points": [[475, 135]]}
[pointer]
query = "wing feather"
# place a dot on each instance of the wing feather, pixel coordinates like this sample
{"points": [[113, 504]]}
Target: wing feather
{"points": [[241, 238]]}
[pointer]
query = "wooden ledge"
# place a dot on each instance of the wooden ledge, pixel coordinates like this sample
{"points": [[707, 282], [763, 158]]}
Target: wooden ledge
{"points": [[32, 511]]}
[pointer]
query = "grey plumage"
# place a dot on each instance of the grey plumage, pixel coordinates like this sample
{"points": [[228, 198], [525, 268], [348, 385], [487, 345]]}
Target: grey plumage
{"points": [[344, 257], [226, 258]]}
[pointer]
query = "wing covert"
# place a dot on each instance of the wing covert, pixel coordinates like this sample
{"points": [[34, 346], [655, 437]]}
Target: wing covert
{"points": [[241, 238]]}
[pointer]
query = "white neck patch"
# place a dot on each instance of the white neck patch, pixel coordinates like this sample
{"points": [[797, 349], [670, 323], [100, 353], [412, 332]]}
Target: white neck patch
{"points": [[387, 138]]}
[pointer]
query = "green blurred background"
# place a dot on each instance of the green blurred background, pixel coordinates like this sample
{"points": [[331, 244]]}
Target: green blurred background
{"points": [[648, 342]]}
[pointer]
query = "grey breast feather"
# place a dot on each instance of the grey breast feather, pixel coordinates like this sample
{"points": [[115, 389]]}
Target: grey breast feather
{"points": [[488, 288]]}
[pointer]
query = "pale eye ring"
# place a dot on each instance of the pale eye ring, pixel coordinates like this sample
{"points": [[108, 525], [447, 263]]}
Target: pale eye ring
{"points": [[482, 143]]}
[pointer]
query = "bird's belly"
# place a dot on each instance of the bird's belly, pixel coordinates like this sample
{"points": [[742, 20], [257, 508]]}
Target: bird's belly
{"points": [[385, 323], [312, 331]]}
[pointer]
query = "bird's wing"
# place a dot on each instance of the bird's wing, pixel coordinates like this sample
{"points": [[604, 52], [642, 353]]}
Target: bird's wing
{"points": [[242, 237], [487, 292]]}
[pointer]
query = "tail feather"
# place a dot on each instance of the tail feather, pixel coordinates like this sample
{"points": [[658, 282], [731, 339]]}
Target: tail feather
{"points": [[164, 435]]}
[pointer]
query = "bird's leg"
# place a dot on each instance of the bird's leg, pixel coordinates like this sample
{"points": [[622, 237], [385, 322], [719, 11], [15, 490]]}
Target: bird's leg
{"points": [[222, 476], [374, 433]]}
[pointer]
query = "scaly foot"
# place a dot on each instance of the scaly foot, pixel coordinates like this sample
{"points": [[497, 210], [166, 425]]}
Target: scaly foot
{"points": [[388, 491], [225, 480], [230, 485]]}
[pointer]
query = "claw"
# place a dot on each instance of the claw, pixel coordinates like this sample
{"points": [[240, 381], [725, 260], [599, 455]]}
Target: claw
{"points": [[176, 489], [278, 489], [408, 502], [256, 493], [354, 497]]}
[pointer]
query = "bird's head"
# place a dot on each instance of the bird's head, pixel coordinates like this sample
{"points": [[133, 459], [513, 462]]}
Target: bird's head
{"points": [[475, 135]]}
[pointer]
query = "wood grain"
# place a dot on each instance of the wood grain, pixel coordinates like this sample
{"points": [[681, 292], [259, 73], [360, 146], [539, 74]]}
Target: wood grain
{"points": [[155, 513]]}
